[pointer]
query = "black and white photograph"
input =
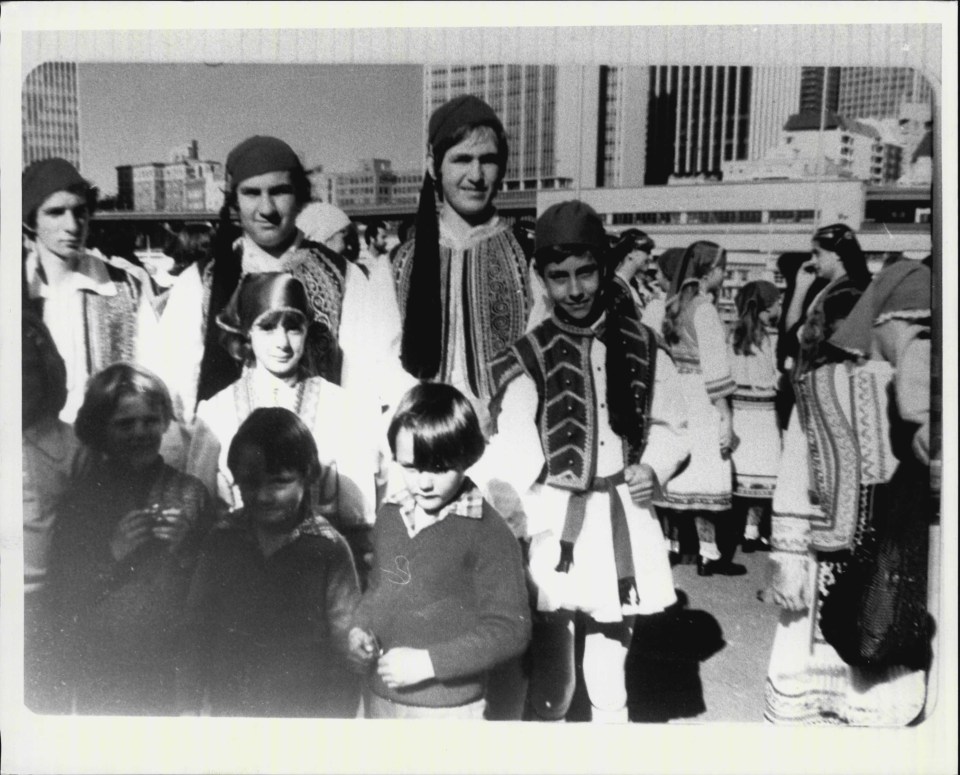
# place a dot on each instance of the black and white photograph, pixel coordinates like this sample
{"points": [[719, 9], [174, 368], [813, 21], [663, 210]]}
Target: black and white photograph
{"points": [[402, 380]]}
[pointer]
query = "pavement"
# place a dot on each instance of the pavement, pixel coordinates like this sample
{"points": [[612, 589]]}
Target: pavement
{"points": [[705, 661]]}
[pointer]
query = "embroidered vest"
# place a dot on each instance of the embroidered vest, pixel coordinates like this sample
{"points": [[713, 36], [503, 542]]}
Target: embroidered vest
{"points": [[111, 322], [557, 358], [494, 296]]}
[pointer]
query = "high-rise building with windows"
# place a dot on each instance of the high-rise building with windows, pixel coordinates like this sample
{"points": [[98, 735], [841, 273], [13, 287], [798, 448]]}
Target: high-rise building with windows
{"points": [[878, 92], [813, 82], [50, 114], [615, 126], [700, 116]]}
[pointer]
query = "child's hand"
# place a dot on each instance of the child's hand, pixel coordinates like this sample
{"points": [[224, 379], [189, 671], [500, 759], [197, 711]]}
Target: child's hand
{"points": [[133, 529], [362, 648], [171, 525], [641, 481], [405, 667]]}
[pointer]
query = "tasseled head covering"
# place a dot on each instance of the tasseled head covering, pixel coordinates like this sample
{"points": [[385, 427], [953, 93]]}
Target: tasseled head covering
{"points": [[423, 316], [260, 294], [839, 238], [757, 295], [319, 221], [899, 292], [46, 177]]}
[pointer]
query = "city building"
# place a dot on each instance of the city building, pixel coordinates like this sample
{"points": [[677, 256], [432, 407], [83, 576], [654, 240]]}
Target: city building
{"points": [[50, 114], [184, 183], [700, 116], [813, 81], [867, 150], [373, 182], [879, 92]]}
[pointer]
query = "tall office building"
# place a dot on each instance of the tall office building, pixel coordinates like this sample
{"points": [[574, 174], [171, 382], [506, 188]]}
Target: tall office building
{"points": [[813, 81], [703, 115], [50, 115], [878, 92]]}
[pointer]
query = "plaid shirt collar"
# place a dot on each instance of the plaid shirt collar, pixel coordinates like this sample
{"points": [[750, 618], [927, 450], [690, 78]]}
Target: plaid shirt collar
{"points": [[469, 504]]}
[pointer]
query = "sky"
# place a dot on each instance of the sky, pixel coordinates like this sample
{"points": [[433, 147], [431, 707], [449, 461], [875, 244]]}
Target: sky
{"points": [[330, 114]]}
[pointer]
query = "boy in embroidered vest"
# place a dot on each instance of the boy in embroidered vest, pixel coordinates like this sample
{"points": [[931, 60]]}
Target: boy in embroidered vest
{"points": [[97, 309], [268, 614], [447, 599], [463, 285], [589, 424], [267, 189]]}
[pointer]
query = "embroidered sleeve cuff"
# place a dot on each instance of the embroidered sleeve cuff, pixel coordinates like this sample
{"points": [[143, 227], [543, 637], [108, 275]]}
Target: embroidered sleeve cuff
{"points": [[721, 388]]}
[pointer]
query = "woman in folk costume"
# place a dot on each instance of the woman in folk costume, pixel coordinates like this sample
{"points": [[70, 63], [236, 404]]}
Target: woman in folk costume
{"points": [[697, 341], [667, 264], [98, 309], [268, 325], [590, 418], [841, 456], [463, 285], [753, 364]]}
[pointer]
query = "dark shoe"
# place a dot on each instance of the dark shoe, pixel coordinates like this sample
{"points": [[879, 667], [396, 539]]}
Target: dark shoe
{"points": [[674, 559], [719, 567], [751, 545]]}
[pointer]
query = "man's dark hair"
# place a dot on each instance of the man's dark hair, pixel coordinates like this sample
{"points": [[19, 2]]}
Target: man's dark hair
{"points": [[372, 228]]}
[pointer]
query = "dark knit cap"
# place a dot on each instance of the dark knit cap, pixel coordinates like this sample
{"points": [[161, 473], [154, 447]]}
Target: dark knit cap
{"points": [[258, 155], [46, 177], [570, 224], [465, 110]]}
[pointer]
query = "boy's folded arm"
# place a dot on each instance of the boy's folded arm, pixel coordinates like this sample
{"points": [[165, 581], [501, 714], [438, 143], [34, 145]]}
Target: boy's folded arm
{"points": [[504, 622]]}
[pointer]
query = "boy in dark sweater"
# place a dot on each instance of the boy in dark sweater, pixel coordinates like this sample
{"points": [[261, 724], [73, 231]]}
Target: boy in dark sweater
{"points": [[272, 597], [447, 599]]}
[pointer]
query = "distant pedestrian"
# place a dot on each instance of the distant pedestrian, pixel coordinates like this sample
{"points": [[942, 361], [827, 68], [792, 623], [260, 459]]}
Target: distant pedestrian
{"points": [[697, 341], [753, 366], [370, 320]]}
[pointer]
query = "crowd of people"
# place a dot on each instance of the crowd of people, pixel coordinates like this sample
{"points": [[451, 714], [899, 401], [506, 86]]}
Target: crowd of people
{"points": [[301, 477]]}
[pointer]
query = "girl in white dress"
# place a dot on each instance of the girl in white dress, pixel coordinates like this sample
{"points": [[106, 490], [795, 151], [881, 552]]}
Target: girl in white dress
{"points": [[697, 341], [753, 364]]}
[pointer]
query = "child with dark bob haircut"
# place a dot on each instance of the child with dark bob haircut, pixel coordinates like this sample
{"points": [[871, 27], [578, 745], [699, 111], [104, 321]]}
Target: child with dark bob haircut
{"points": [[443, 426], [270, 606], [447, 600], [123, 549]]}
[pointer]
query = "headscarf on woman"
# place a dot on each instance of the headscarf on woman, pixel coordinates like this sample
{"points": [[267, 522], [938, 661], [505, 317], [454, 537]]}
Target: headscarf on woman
{"points": [[899, 292], [698, 261]]}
